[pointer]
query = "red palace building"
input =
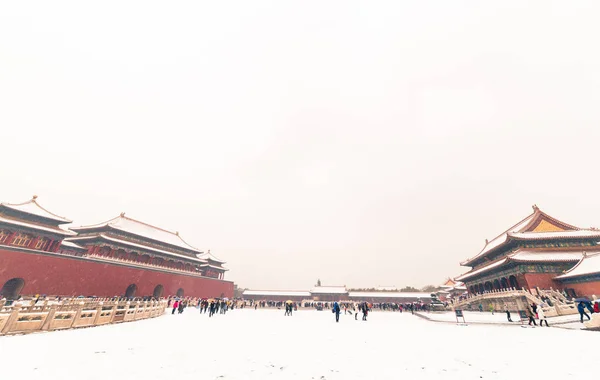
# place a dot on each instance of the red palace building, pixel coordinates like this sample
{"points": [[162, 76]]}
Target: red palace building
{"points": [[537, 252], [120, 257]]}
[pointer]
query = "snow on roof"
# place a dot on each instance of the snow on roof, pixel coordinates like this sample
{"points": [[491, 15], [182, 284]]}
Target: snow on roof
{"points": [[329, 290], [482, 269], [389, 295], [518, 231], [135, 245], [555, 234], [589, 264], [209, 256], [31, 207], [70, 244], [526, 255], [501, 239], [142, 229], [56, 230], [214, 267], [280, 293]]}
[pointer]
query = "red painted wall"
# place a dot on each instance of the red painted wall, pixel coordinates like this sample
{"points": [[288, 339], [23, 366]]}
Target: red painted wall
{"points": [[585, 288], [542, 280], [54, 274]]}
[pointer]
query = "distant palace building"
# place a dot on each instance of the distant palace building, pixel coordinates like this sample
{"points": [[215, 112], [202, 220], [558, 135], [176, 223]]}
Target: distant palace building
{"points": [[120, 257], [537, 252], [336, 293]]}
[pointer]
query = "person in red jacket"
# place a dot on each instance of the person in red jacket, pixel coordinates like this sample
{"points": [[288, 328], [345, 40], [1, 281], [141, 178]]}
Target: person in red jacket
{"points": [[175, 306]]}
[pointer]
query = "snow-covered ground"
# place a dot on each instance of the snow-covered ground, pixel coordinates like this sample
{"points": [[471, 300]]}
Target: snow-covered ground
{"points": [[264, 344]]}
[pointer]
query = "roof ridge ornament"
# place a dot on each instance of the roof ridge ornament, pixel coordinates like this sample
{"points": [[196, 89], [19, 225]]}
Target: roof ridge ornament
{"points": [[122, 214], [34, 197], [535, 207], [177, 233]]}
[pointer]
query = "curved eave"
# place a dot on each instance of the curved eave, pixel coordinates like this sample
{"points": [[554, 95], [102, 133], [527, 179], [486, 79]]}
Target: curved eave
{"points": [[35, 227], [136, 246], [46, 214], [214, 267], [109, 225], [192, 250], [591, 236]]}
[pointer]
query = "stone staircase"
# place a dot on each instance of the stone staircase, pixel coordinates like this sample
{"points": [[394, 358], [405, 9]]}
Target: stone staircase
{"points": [[518, 299]]}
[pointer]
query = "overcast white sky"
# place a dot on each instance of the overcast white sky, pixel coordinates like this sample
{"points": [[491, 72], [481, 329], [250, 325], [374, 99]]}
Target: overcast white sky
{"points": [[362, 143]]}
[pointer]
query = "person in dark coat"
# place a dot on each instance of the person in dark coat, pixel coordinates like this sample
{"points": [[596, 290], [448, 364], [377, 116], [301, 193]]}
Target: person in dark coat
{"points": [[531, 316], [507, 313], [336, 310], [581, 310]]}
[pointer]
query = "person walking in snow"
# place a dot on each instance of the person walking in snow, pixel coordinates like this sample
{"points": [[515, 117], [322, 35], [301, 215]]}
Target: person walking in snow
{"points": [[507, 313], [542, 316], [531, 316], [581, 310], [365, 310], [175, 306], [336, 310]]}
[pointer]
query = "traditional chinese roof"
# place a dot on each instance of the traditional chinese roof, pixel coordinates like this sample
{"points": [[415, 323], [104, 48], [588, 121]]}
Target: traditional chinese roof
{"points": [[576, 234], [214, 267], [588, 265], [527, 256], [117, 241], [277, 293], [329, 290], [208, 256], [140, 229], [33, 208], [36, 227], [536, 226], [69, 244]]}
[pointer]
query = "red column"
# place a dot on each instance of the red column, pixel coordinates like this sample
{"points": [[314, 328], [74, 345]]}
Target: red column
{"points": [[49, 245], [33, 242], [56, 245], [11, 238]]}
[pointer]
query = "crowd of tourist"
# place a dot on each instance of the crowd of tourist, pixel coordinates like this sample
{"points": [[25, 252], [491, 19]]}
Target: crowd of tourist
{"points": [[212, 306], [345, 306]]}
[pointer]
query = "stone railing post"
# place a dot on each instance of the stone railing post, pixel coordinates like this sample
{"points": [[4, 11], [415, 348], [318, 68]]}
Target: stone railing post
{"points": [[98, 313], [113, 312], [12, 319], [127, 304], [49, 318], [77, 315]]}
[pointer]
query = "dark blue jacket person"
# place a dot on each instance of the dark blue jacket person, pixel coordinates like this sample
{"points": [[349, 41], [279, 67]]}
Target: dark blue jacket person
{"points": [[336, 310], [581, 310]]}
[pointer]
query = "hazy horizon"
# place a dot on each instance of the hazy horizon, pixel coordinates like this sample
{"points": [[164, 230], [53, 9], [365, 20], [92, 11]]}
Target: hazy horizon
{"points": [[362, 144]]}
